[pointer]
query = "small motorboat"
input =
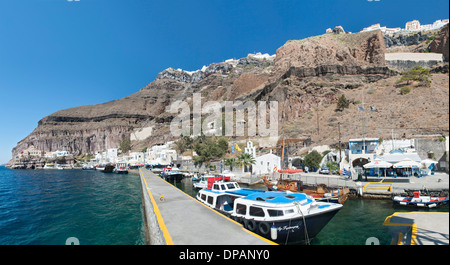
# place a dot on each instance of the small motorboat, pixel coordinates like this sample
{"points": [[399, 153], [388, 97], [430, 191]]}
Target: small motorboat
{"points": [[203, 182], [172, 174], [421, 201], [121, 168]]}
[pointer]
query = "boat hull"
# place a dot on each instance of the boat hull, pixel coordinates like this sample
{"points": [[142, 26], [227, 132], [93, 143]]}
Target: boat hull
{"points": [[108, 169], [409, 201], [173, 177], [290, 231]]}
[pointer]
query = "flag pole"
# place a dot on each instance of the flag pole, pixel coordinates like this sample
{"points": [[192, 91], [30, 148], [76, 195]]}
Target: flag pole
{"points": [[364, 135]]}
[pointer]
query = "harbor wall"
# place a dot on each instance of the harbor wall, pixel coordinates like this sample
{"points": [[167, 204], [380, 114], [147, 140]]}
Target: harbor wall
{"points": [[153, 233]]}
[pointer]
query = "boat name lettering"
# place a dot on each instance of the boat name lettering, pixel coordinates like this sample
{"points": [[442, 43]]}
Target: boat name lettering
{"points": [[288, 227]]}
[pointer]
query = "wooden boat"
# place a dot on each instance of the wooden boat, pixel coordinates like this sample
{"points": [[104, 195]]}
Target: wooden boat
{"points": [[320, 192], [108, 169], [421, 201]]}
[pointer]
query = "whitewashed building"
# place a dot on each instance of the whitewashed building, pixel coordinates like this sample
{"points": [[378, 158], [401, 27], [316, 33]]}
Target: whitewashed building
{"points": [[266, 163], [161, 154]]}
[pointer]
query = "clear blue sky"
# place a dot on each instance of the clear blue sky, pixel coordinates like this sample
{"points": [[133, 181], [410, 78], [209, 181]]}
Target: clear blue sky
{"points": [[56, 54]]}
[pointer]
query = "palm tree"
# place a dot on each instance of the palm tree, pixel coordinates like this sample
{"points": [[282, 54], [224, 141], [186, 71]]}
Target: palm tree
{"points": [[246, 160], [230, 162]]}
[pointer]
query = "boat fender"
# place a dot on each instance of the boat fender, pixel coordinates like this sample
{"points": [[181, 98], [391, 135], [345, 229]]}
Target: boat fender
{"points": [[273, 232], [251, 225], [264, 228]]}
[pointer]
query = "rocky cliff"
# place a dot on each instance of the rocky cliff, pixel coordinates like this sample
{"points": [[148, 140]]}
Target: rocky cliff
{"points": [[440, 43], [305, 76]]}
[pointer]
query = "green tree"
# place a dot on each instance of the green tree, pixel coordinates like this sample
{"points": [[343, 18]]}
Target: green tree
{"points": [[417, 73], [184, 143], [246, 160], [229, 162], [125, 145], [209, 149], [332, 166], [343, 102], [313, 159]]}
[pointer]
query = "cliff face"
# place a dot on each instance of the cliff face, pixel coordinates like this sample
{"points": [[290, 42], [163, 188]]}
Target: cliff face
{"points": [[304, 75], [440, 44]]}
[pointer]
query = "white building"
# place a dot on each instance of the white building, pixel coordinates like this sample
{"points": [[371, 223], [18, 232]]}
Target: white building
{"points": [[412, 25], [161, 154], [60, 153], [266, 163], [250, 149], [405, 145], [111, 155], [136, 158]]}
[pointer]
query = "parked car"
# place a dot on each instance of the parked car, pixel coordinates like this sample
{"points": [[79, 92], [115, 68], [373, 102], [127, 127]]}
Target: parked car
{"points": [[324, 170]]}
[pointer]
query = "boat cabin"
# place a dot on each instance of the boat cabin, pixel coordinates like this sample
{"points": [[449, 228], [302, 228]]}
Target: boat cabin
{"points": [[272, 205]]}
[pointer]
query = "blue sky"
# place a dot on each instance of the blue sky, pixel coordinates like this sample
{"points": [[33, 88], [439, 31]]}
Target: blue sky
{"points": [[57, 54]]}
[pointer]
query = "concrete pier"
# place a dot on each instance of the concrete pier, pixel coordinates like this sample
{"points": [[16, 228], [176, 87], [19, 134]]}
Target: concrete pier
{"points": [[419, 228], [175, 218]]}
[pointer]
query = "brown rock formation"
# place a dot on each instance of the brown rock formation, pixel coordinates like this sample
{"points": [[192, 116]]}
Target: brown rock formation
{"points": [[440, 44]]}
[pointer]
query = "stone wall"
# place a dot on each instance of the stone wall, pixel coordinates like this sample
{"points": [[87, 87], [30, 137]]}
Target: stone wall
{"points": [[406, 61], [434, 148]]}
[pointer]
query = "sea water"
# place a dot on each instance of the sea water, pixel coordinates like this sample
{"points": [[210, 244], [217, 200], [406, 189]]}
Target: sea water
{"points": [[53, 207]]}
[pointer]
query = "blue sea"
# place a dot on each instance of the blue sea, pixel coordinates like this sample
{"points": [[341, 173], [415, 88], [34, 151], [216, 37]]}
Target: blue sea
{"points": [[48, 207]]}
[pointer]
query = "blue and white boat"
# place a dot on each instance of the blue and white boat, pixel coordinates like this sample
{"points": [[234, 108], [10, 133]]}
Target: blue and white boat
{"points": [[202, 182], [283, 217], [172, 174]]}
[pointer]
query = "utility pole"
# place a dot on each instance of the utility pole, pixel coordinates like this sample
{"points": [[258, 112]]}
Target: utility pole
{"points": [[317, 110], [340, 155]]}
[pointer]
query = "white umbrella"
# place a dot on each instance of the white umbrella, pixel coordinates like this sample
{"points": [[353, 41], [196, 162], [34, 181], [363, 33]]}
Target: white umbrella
{"points": [[378, 163], [407, 163], [428, 162]]}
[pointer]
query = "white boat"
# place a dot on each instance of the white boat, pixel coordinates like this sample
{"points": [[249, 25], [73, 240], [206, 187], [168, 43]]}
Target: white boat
{"points": [[172, 174], [49, 166], [283, 217], [203, 182], [121, 168]]}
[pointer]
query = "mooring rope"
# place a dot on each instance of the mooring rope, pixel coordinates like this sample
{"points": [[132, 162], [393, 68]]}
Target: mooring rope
{"points": [[304, 223]]}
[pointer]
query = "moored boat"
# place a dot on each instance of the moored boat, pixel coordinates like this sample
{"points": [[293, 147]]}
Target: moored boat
{"points": [[320, 192], [284, 217], [172, 174], [203, 182], [109, 168], [121, 168], [421, 201]]}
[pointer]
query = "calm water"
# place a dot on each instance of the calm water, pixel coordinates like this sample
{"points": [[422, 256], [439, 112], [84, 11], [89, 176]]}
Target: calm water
{"points": [[48, 206], [354, 223]]}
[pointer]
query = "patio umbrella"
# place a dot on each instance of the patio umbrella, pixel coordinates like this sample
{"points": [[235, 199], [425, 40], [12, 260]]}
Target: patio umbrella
{"points": [[428, 162], [378, 163], [407, 163]]}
